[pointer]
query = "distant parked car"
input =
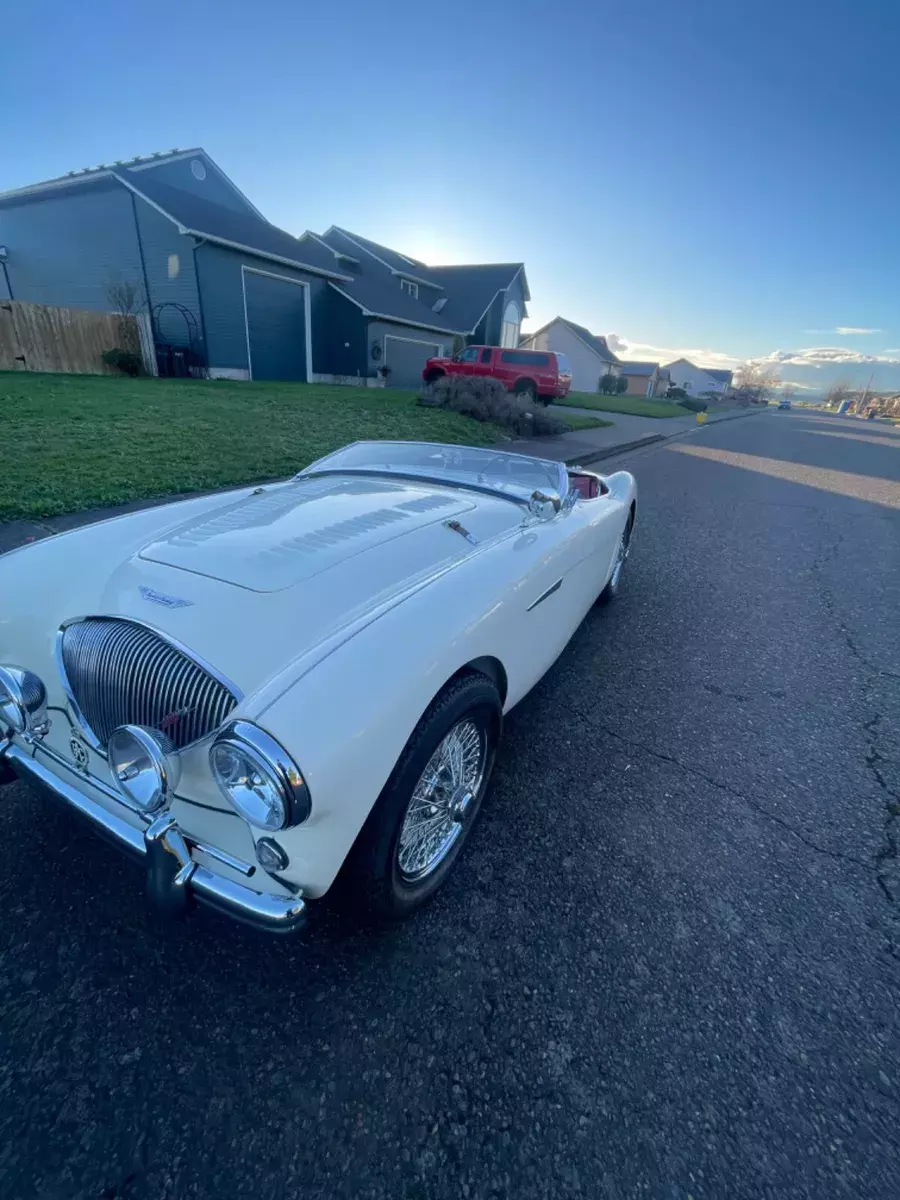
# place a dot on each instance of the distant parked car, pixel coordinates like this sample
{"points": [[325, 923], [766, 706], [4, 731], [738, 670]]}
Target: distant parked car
{"points": [[531, 374], [784, 403]]}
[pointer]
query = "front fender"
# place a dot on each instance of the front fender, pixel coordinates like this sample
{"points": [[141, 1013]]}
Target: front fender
{"points": [[347, 721]]}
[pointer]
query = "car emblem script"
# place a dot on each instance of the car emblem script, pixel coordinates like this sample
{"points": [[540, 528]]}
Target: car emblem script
{"points": [[161, 598], [80, 754]]}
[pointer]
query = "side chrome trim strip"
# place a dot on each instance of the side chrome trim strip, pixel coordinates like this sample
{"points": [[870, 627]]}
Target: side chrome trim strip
{"points": [[554, 587]]}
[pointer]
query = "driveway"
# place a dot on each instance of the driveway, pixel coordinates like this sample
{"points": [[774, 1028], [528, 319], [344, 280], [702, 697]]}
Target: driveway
{"points": [[667, 966]]}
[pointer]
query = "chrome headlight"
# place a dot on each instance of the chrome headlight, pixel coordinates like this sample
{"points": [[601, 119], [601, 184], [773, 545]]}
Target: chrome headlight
{"points": [[258, 777], [23, 702], [145, 766]]}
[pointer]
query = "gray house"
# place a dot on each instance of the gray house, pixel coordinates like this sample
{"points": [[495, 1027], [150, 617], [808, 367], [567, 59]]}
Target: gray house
{"points": [[234, 294], [589, 355]]}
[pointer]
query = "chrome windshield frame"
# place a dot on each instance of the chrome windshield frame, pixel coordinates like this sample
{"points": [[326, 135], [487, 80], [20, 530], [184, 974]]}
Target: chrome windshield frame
{"points": [[325, 466]]}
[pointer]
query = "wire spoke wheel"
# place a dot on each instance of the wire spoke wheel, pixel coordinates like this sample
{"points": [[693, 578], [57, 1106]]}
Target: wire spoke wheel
{"points": [[442, 800]]}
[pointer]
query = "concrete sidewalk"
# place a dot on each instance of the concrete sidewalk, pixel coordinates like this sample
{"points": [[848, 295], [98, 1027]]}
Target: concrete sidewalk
{"points": [[584, 446]]}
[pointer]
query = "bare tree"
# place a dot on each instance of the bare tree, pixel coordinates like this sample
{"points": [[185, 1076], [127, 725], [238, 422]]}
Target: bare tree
{"points": [[757, 379], [837, 392], [129, 301]]}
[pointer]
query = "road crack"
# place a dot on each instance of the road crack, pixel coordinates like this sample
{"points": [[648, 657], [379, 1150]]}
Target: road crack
{"points": [[750, 801], [885, 858]]}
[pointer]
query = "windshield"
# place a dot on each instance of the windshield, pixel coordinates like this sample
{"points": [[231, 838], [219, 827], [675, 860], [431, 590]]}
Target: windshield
{"points": [[512, 475]]}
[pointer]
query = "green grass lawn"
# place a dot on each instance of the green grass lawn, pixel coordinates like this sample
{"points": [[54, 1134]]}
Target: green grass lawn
{"points": [[81, 441], [633, 405], [576, 422]]}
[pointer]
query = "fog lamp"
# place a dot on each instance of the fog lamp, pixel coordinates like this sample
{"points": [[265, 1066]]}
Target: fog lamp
{"points": [[145, 766], [23, 702]]}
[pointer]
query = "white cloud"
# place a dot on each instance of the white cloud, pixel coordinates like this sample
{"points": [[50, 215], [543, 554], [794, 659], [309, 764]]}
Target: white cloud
{"points": [[845, 330], [616, 344], [701, 357], [824, 356]]}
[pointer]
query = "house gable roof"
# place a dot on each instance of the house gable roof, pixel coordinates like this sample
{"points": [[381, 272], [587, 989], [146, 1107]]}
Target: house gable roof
{"points": [[593, 341], [639, 368], [716, 374], [201, 217], [462, 294], [194, 214]]}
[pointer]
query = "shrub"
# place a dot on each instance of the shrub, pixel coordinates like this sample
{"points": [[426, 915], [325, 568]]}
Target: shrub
{"points": [[608, 384], [692, 404], [487, 399], [621, 385], [675, 393], [126, 361]]}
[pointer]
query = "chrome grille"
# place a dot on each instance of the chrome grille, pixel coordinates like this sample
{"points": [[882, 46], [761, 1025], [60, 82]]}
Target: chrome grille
{"points": [[118, 672]]}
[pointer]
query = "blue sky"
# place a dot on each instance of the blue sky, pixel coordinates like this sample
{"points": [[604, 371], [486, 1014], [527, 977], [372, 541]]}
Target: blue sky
{"points": [[720, 179]]}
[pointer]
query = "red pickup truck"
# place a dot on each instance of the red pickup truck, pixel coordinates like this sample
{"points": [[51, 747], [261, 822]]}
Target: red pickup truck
{"points": [[531, 374]]}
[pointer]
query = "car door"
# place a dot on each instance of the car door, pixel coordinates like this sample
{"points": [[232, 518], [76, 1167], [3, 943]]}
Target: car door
{"points": [[466, 361], [545, 373], [485, 363], [567, 560]]}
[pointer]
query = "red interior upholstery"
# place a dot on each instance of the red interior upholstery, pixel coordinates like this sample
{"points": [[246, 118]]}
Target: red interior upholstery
{"points": [[588, 485]]}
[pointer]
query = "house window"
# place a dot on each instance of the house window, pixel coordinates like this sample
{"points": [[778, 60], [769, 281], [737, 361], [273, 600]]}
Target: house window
{"points": [[509, 333], [406, 285]]}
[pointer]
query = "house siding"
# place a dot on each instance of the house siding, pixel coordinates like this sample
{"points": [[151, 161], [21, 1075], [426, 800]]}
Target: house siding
{"points": [[490, 327], [222, 299], [587, 367], [340, 336], [694, 379], [69, 247], [179, 174], [171, 277]]}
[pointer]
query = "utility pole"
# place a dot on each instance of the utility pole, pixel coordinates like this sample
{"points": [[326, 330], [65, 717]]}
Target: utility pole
{"points": [[861, 403]]}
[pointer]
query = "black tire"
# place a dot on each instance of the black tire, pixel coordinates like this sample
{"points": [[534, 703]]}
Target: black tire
{"points": [[434, 376], [372, 883], [526, 390], [614, 584]]}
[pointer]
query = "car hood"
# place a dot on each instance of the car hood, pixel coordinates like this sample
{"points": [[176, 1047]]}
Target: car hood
{"points": [[250, 582], [274, 540]]}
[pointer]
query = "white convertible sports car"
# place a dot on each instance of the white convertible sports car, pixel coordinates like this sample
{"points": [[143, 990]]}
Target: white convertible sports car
{"points": [[256, 691]]}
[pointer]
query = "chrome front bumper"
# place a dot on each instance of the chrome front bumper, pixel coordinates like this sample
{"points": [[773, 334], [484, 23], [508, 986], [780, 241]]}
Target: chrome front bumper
{"points": [[172, 875]]}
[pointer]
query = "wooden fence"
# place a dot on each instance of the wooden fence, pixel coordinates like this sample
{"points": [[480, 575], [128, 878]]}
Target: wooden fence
{"points": [[37, 337]]}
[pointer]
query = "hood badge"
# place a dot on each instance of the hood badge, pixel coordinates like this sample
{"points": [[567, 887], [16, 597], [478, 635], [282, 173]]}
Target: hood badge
{"points": [[80, 755], [161, 598]]}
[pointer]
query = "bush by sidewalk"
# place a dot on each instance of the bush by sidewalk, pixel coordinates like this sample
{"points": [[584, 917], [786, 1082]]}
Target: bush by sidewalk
{"points": [[488, 400]]}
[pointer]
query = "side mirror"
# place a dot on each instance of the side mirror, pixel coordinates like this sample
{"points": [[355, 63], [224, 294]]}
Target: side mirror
{"points": [[542, 506]]}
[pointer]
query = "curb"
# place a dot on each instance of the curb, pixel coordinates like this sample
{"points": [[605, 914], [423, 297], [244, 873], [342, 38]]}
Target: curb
{"points": [[582, 460], [652, 439]]}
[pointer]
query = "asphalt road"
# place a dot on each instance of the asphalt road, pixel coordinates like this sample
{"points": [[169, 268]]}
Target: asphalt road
{"points": [[668, 963]]}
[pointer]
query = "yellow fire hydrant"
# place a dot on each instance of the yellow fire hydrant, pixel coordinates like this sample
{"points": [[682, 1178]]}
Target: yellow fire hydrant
{"points": [[701, 418]]}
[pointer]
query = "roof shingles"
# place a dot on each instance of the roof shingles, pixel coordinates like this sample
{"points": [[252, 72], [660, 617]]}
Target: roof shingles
{"points": [[468, 289]]}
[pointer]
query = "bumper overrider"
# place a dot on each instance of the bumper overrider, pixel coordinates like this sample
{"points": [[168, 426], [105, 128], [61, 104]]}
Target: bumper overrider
{"points": [[173, 877]]}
